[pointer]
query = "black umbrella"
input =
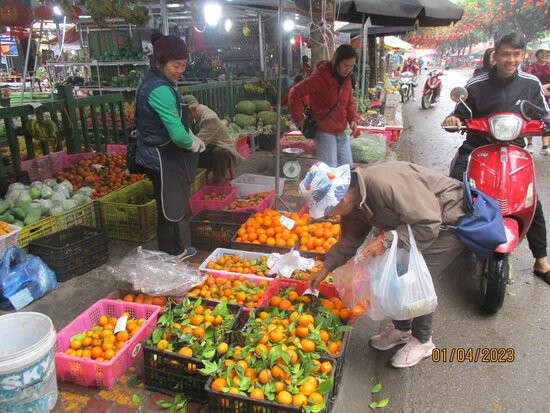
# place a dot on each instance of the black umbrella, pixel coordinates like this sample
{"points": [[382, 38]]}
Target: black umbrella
{"points": [[439, 13]]}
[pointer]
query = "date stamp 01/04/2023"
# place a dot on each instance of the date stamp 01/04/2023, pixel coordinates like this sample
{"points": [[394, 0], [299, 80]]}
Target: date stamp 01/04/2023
{"points": [[473, 355]]}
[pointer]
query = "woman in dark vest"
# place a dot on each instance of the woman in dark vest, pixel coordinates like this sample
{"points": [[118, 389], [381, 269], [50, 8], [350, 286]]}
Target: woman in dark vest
{"points": [[166, 150]]}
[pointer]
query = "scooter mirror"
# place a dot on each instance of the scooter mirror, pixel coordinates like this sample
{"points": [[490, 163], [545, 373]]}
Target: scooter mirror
{"points": [[459, 93]]}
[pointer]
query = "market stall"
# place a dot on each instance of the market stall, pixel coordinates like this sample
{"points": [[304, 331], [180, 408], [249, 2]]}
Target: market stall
{"points": [[234, 327]]}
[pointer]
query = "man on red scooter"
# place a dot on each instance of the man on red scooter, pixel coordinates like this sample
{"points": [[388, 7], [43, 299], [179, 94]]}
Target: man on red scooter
{"points": [[501, 90]]}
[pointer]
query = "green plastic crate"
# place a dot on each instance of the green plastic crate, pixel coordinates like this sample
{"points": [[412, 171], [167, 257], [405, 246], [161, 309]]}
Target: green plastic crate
{"points": [[126, 221], [82, 215]]}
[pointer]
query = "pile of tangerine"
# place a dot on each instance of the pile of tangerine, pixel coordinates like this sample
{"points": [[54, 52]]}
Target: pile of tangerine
{"points": [[266, 228], [319, 237]]}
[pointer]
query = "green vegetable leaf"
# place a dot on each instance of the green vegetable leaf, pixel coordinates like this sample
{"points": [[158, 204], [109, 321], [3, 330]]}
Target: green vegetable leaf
{"points": [[511, 293], [373, 405], [209, 368], [376, 388], [79, 336], [221, 309], [136, 399], [164, 403], [384, 402], [318, 407], [326, 386], [157, 334]]}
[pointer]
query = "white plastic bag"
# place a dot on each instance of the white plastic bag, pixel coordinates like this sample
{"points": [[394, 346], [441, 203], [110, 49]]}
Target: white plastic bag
{"points": [[401, 285], [285, 265], [156, 273]]}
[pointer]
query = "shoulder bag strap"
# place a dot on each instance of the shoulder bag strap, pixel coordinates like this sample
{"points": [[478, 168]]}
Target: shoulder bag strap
{"points": [[334, 106]]}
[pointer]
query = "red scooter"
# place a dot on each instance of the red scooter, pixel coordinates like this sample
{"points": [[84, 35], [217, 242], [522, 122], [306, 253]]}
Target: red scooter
{"points": [[506, 173], [432, 89]]}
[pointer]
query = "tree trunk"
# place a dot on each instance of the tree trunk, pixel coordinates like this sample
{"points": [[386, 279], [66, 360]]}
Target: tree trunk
{"points": [[381, 60], [322, 45], [372, 60]]}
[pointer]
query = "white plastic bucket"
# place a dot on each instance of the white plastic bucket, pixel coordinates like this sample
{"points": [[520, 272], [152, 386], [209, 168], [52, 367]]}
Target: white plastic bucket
{"points": [[27, 369]]}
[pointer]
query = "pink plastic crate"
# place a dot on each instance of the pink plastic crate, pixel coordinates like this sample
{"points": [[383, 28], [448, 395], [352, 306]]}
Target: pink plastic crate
{"points": [[73, 158], [44, 167], [197, 204], [88, 372], [266, 204]]}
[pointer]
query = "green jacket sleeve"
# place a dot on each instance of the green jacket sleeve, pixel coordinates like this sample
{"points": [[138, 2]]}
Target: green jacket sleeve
{"points": [[163, 101]]}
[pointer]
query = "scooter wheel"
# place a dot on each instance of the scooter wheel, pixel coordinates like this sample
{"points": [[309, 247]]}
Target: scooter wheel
{"points": [[496, 271], [426, 101]]}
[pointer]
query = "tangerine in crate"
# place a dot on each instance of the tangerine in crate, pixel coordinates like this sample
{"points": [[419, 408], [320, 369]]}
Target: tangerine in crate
{"points": [[91, 351], [268, 228], [319, 237], [231, 288]]}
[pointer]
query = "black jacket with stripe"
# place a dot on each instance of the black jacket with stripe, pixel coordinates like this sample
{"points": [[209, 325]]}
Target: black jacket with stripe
{"points": [[488, 94]]}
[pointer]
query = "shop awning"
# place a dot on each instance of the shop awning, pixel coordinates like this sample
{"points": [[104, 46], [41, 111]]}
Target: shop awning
{"points": [[393, 42], [395, 12]]}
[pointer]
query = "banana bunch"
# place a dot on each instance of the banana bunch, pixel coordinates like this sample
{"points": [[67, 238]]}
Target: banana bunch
{"points": [[42, 130], [99, 10], [253, 88]]}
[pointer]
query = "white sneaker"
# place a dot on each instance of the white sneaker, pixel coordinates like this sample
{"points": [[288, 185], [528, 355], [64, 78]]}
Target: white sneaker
{"points": [[389, 338], [529, 148], [545, 151], [413, 353]]}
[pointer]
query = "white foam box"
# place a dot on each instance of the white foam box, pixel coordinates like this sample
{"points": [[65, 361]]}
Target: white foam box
{"points": [[392, 99], [251, 184]]}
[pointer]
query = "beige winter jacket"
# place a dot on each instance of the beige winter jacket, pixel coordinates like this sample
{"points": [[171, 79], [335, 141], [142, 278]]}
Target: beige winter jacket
{"points": [[212, 131], [395, 194]]}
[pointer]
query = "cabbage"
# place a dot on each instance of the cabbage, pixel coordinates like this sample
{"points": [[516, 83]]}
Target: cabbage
{"points": [[37, 184], [25, 197], [46, 203], [57, 209], [16, 186], [13, 196], [68, 186], [80, 199], [368, 149], [50, 182], [58, 196], [69, 204], [86, 190], [46, 192]]}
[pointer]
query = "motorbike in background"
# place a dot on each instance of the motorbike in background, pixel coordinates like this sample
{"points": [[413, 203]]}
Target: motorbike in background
{"points": [[406, 86], [506, 173], [432, 89]]}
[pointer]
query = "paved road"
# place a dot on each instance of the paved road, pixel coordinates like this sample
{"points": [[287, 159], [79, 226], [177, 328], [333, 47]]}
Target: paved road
{"points": [[523, 323]]}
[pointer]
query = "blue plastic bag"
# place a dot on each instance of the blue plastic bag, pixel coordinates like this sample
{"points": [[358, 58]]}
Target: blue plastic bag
{"points": [[24, 278]]}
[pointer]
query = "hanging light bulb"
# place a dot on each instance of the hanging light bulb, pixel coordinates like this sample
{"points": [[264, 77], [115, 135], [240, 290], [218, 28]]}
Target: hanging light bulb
{"points": [[288, 25], [228, 25], [212, 13]]}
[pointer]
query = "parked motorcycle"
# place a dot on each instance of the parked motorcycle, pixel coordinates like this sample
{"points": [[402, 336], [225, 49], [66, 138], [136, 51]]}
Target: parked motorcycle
{"points": [[432, 89], [406, 86], [506, 173]]}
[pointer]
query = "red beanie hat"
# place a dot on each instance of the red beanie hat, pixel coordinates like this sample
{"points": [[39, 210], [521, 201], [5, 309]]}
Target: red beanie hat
{"points": [[168, 48]]}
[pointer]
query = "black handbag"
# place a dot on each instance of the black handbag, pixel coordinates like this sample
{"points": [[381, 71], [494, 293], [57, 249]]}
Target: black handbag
{"points": [[309, 129], [131, 163]]}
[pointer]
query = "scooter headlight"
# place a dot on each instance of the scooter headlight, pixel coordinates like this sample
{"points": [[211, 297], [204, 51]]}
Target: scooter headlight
{"points": [[505, 127]]}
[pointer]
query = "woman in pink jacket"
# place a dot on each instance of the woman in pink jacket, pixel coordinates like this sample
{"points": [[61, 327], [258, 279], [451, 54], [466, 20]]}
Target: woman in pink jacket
{"points": [[331, 99]]}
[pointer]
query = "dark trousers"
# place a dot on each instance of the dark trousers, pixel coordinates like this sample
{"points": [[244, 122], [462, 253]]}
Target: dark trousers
{"points": [[168, 232], [536, 235], [438, 256], [217, 160]]}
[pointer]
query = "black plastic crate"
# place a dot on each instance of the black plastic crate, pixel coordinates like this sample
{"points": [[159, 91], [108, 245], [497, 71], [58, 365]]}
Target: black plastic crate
{"points": [[171, 373], [214, 229], [267, 142], [72, 251], [219, 402], [268, 249]]}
